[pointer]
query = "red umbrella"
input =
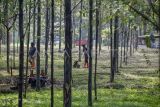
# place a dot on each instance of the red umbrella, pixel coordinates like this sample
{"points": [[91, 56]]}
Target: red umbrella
{"points": [[82, 42]]}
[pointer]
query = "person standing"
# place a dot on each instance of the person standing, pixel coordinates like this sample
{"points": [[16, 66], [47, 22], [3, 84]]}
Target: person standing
{"points": [[85, 56], [32, 55]]}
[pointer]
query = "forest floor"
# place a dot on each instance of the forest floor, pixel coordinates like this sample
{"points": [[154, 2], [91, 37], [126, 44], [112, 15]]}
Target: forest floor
{"points": [[136, 83]]}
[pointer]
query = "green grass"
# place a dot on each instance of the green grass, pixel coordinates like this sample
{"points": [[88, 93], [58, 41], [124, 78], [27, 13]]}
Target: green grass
{"points": [[140, 83], [106, 98]]}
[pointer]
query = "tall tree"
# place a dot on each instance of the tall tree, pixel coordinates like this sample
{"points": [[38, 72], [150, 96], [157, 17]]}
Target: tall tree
{"points": [[21, 54], [38, 44], [34, 21], [68, 55], [122, 42], [46, 36], [52, 53], [14, 47], [115, 55], [60, 28], [28, 41], [96, 46], [90, 39], [8, 35], [80, 30], [111, 45]]}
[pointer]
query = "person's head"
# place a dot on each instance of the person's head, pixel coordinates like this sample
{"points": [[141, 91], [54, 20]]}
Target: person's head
{"points": [[32, 44], [83, 46]]}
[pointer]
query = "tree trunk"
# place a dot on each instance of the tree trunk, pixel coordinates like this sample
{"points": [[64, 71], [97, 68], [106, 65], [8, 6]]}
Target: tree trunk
{"points": [[122, 42], [80, 31], [131, 40], [128, 37], [68, 55], [7, 31], [96, 46], [60, 29], [8, 50], [115, 57], [74, 26], [28, 41], [34, 21], [52, 53], [100, 28], [90, 37], [46, 37], [21, 55], [0, 46], [125, 40], [117, 45], [14, 48], [38, 45], [111, 45]]}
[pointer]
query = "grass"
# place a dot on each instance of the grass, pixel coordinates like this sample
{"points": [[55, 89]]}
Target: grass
{"points": [[106, 98], [140, 83]]}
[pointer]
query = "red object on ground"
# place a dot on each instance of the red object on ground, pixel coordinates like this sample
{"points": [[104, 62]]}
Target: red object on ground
{"points": [[82, 42]]}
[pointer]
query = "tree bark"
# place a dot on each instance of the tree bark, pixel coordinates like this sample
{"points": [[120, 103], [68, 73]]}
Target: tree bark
{"points": [[60, 29], [122, 42], [38, 45], [52, 53], [28, 41], [14, 48], [68, 55], [80, 31], [125, 40], [8, 50], [96, 46], [115, 57], [46, 37], [90, 37], [21, 55], [34, 21], [111, 45]]}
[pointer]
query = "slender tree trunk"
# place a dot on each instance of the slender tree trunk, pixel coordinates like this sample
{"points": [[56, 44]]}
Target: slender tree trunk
{"points": [[14, 48], [0, 46], [21, 55], [60, 29], [7, 31], [74, 26], [128, 37], [90, 35], [34, 21], [68, 55], [8, 50], [117, 45], [38, 45], [100, 28], [96, 46], [80, 31], [111, 45], [125, 40], [122, 42], [131, 40], [115, 57], [137, 34], [52, 53], [28, 41], [46, 37]]}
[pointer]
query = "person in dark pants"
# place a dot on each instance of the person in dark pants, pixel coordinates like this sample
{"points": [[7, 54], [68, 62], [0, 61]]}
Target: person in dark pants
{"points": [[85, 56]]}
